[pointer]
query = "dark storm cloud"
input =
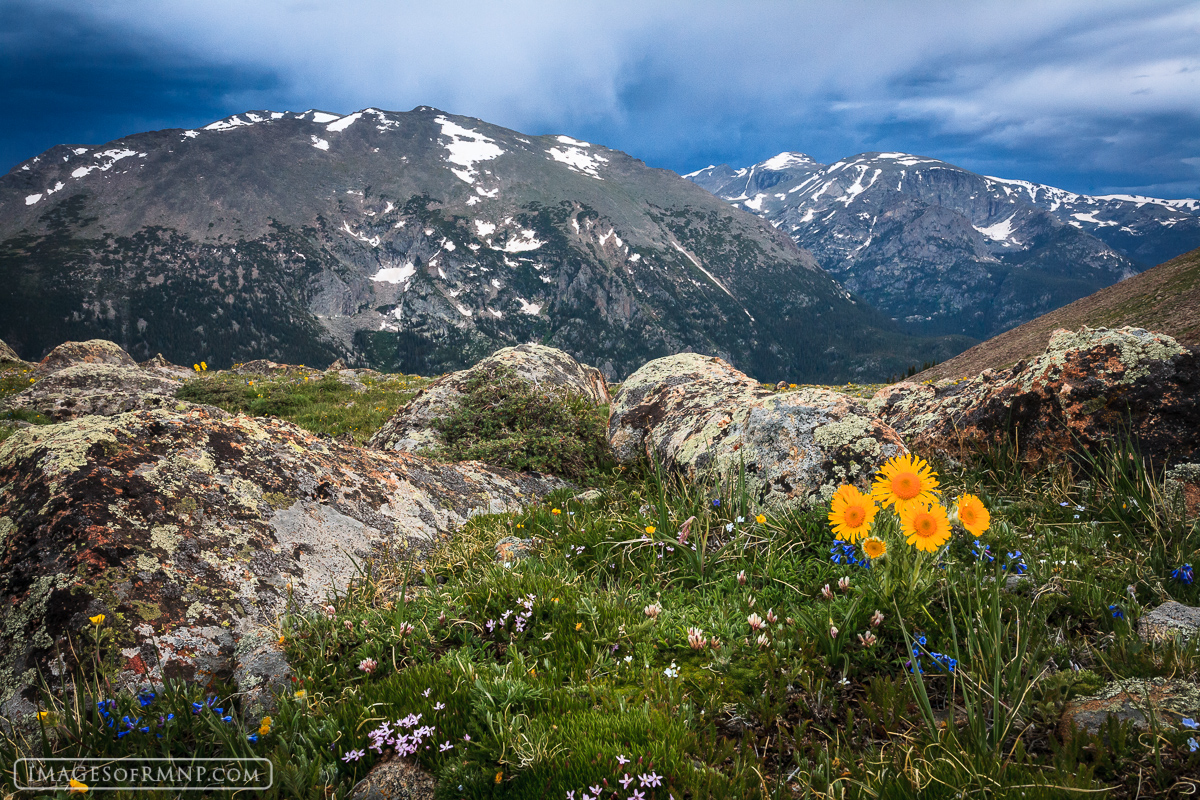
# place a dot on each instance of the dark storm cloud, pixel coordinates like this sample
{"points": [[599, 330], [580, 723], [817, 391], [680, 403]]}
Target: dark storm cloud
{"points": [[1092, 97]]}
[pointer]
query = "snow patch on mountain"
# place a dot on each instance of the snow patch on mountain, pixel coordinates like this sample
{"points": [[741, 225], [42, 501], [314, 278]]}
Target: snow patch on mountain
{"points": [[320, 144], [344, 122], [467, 148], [1000, 231], [396, 275], [578, 160], [320, 117], [781, 161]]}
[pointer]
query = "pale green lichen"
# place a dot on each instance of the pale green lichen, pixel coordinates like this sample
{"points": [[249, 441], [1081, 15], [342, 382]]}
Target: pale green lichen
{"points": [[6, 527], [147, 563], [1136, 348], [165, 537], [65, 444], [852, 431]]}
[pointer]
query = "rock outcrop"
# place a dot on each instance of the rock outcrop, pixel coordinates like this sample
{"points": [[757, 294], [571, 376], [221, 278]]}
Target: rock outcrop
{"points": [[698, 415], [7, 354], [1088, 387], [191, 530], [93, 351], [96, 388], [550, 371]]}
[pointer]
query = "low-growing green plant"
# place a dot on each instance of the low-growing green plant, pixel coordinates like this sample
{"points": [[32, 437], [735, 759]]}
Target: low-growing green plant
{"points": [[503, 420]]}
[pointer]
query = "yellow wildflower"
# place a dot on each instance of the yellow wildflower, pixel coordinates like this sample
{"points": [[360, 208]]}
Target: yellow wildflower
{"points": [[761, 519], [925, 527], [265, 727], [851, 513], [300, 695], [555, 511], [578, 625], [904, 481], [77, 787], [97, 620], [874, 547], [972, 514], [650, 529]]}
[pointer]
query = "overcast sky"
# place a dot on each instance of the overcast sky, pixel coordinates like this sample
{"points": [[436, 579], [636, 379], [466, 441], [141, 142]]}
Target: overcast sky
{"points": [[1092, 96]]}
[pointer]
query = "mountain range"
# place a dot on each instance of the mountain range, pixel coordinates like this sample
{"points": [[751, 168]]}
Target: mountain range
{"points": [[413, 241], [941, 249]]}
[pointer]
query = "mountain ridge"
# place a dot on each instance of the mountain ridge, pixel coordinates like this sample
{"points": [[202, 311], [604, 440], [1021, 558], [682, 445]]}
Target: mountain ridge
{"points": [[942, 249], [417, 241]]}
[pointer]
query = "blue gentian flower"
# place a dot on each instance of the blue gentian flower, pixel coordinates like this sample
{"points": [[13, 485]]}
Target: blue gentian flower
{"points": [[1192, 745], [1184, 574], [1117, 612], [1188, 722], [252, 737], [146, 698]]}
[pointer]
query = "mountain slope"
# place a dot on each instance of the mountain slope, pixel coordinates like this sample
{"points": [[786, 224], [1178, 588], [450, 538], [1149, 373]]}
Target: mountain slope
{"points": [[415, 241], [1164, 299], [945, 250]]}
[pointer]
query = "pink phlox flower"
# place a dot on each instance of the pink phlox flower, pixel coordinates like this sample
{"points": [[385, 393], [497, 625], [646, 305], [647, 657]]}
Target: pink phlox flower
{"points": [[426, 692], [637, 795], [622, 760], [444, 747], [625, 781], [653, 779], [438, 706]]}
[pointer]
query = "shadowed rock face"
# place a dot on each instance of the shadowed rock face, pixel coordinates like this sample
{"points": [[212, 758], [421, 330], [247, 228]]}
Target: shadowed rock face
{"points": [[1087, 387], [549, 370], [189, 529], [698, 415]]}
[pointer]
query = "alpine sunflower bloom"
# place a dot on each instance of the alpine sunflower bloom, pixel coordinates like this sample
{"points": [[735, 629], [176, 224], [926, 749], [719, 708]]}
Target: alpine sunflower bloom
{"points": [[905, 481], [925, 527], [972, 514], [851, 513], [874, 547]]}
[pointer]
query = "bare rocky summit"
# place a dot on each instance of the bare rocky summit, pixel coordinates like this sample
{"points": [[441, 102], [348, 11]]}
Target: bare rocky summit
{"points": [[7, 354], [191, 530], [700, 416], [548, 370]]}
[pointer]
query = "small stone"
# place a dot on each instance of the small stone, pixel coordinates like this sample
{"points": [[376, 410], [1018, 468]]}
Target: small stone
{"points": [[395, 780], [1167, 700], [511, 549], [1169, 620], [590, 496]]}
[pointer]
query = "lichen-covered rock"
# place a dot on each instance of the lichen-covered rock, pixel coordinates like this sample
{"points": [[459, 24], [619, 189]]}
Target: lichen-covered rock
{"points": [[1169, 620], [700, 416], [1086, 388], [551, 371], [397, 779], [95, 388], [93, 351], [7, 354], [190, 529], [1130, 700]]}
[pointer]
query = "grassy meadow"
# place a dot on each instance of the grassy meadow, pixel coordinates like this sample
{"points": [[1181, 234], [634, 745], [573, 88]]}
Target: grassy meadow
{"points": [[667, 640]]}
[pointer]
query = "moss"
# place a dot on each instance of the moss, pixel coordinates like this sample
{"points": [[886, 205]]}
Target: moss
{"points": [[147, 611]]}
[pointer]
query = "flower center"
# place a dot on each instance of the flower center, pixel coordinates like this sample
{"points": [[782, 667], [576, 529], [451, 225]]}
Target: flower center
{"points": [[925, 525], [906, 485], [855, 515], [967, 515]]}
